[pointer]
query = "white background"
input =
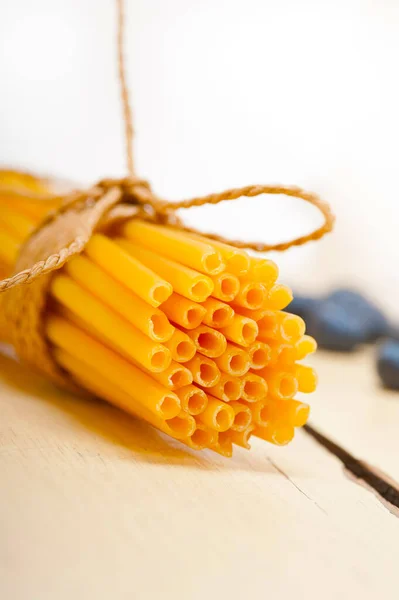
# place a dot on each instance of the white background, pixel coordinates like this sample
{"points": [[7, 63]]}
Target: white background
{"points": [[225, 93]]}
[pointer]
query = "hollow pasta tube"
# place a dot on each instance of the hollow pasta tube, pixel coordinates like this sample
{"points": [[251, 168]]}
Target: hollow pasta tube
{"points": [[185, 281], [259, 355], [225, 286], [181, 347], [122, 334], [281, 354], [201, 438], [237, 261], [287, 412], [234, 360], [252, 295], [149, 320], [260, 414], [292, 327], [254, 387], [121, 373], [241, 330], [217, 415], [241, 438], [208, 341], [224, 444], [183, 312], [266, 320], [280, 435], [264, 271], [177, 427], [128, 270], [243, 416], [176, 245], [278, 298], [192, 399], [204, 371], [173, 377], [304, 346], [218, 314], [282, 385], [307, 378], [228, 388]]}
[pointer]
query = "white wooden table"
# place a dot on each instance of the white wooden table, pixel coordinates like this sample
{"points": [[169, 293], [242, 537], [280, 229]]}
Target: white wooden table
{"points": [[95, 505]]}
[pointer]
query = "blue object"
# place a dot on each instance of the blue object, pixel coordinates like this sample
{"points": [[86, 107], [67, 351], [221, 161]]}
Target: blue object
{"points": [[341, 321], [369, 318], [388, 364]]}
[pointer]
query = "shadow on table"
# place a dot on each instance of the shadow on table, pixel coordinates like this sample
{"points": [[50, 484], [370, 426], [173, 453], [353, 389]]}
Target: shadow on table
{"points": [[115, 432]]}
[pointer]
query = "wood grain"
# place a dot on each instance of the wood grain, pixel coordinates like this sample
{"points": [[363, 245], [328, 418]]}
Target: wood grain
{"points": [[353, 409], [94, 504]]}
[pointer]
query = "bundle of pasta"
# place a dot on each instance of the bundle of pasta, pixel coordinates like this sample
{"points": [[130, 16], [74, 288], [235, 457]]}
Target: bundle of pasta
{"points": [[172, 327]]}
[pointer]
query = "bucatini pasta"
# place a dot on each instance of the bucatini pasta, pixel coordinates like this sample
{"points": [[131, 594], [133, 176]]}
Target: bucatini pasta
{"points": [[186, 333]]}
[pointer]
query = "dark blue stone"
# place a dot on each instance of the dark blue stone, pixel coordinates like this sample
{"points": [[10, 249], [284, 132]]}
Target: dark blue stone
{"points": [[359, 309], [341, 321], [388, 363], [303, 306], [333, 328]]}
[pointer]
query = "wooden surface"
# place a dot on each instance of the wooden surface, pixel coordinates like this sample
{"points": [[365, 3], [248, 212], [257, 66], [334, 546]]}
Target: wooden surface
{"points": [[94, 504]]}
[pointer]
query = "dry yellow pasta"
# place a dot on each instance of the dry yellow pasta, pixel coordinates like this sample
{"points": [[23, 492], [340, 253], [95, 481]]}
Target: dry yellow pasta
{"points": [[241, 438], [243, 416], [204, 371], [18, 225], [288, 412], [307, 378], [282, 385], [173, 244], [173, 377], [185, 281], [236, 260], [264, 271], [252, 295], [228, 388], [146, 391], [254, 387], [208, 341], [178, 427], [304, 346], [234, 360], [201, 438], [241, 330], [266, 320], [192, 399], [225, 286], [181, 347], [278, 298], [9, 248], [149, 320], [218, 314], [183, 312], [142, 321], [128, 339], [259, 355], [260, 414], [292, 327], [217, 415], [281, 354], [280, 435], [224, 444], [128, 270]]}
